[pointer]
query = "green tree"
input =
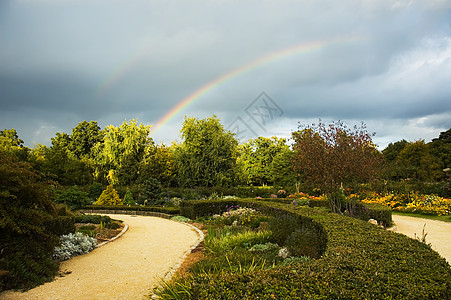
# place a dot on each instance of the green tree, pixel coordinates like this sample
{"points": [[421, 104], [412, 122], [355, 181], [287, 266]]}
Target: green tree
{"points": [[257, 159], [159, 163], [123, 148], [60, 164], [207, 156], [84, 137], [26, 245], [128, 198], [73, 197], [333, 156], [12, 144], [282, 171], [393, 168], [152, 192], [109, 197], [441, 148], [419, 164]]}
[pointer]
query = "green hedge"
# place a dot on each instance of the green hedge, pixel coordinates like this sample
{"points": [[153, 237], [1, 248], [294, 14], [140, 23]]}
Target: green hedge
{"points": [[160, 209], [360, 261]]}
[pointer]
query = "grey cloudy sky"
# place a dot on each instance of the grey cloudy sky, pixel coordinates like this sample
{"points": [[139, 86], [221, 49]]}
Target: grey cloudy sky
{"points": [[386, 63]]}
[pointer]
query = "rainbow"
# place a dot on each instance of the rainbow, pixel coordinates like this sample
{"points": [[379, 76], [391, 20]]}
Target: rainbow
{"points": [[122, 69], [269, 58]]}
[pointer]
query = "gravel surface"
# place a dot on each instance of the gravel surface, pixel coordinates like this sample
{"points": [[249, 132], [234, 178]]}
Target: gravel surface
{"points": [[438, 232], [127, 268]]}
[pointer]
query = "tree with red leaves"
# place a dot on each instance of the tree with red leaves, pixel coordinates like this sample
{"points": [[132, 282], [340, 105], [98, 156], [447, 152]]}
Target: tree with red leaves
{"points": [[332, 157]]}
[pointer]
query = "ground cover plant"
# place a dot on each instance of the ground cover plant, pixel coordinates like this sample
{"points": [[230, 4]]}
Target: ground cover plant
{"points": [[356, 260]]}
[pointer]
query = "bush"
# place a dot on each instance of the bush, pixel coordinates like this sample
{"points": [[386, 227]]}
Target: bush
{"points": [[128, 198], [181, 219], [94, 219], [303, 242], [109, 197], [73, 245], [158, 209], [73, 197], [359, 261]]}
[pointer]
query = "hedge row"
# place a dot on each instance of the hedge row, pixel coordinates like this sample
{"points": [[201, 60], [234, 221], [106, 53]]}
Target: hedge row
{"points": [[360, 261], [365, 211], [159, 209]]}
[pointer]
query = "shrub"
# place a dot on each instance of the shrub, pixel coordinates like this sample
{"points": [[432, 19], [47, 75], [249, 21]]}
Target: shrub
{"points": [[268, 247], [181, 219], [152, 192], [227, 241], [73, 197], [73, 245], [94, 191], [109, 197], [128, 198], [359, 261], [94, 219], [303, 242]]}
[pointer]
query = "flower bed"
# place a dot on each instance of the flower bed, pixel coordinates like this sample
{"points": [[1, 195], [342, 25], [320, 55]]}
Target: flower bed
{"points": [[359, 261]]}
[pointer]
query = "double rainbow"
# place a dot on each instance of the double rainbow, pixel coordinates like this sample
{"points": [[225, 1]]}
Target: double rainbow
{"points": [[264, 60]]}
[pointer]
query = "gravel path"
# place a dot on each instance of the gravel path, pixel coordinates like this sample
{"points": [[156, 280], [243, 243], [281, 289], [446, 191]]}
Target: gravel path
{"points": [[438, 232], [127, 268]]}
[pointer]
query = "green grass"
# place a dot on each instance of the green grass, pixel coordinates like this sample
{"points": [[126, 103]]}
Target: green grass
{"points": [[424, 216]]}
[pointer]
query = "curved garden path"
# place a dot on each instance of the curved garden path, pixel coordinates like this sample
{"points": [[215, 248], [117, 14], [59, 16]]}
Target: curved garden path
{"points": [[127, 268], [438, 232]]}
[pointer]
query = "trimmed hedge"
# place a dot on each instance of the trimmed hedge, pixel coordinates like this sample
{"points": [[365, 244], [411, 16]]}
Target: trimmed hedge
{"points": [[159, 209], [360, 261]]}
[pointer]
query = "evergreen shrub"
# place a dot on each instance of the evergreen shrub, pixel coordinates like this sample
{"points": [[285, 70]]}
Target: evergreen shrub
{"points": [[359, 261]]}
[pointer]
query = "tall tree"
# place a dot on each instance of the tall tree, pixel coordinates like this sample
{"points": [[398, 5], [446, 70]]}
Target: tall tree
{"points": [[122, 150], [256, 158], [12, 144], [419, 164], [84, 137], [207, 156], [333, 156], [441, 147]]}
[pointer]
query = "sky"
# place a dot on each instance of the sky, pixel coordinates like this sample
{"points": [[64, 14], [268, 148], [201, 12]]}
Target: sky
{"points": [[263, 67]]}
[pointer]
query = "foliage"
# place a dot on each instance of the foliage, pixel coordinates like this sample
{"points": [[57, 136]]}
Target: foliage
{"points": [[152, 193], [159, 162], [94, 219], [128, 198], [123, 148], [73, 197], [241, 216], [73, 244], [25, 212], [333, 156], [411, 202], [11, 144], [258, 160], [303, 242], [360, 261], [140, 209], [224, 241], [264, 247], [84, 137], [94, 191], [181, 219], [109, 197], [207, 156]]}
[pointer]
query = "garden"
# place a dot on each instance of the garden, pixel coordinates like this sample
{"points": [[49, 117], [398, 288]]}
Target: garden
{"points": [[282, 221]]}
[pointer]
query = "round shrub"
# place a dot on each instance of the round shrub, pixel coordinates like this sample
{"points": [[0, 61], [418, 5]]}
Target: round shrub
{"points": [[303, 242]]}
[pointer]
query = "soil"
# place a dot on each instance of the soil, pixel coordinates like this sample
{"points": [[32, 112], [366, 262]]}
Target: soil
{"points": [[102, 234]]}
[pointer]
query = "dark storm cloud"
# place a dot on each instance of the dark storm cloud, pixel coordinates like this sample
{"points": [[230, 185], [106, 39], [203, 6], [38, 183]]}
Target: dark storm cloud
{"points": [[65, 61]]}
